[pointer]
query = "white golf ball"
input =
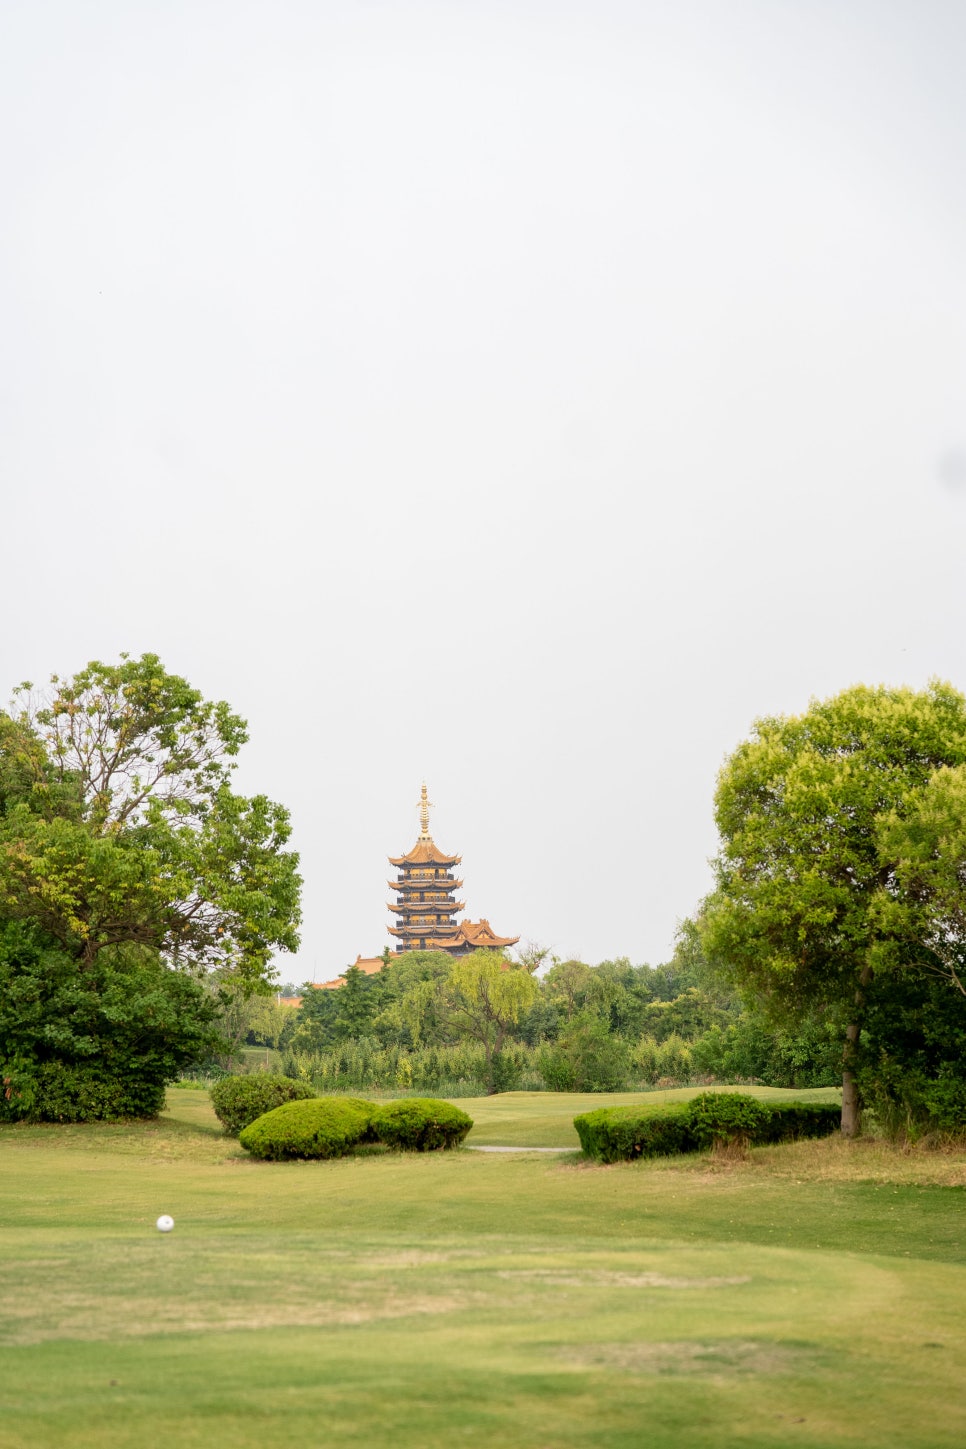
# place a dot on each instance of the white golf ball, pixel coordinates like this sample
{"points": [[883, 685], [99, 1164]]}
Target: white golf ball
{"points": [[164, 1223]]}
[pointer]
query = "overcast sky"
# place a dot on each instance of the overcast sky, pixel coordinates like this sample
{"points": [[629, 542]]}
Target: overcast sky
{"points": [[517, 396]]}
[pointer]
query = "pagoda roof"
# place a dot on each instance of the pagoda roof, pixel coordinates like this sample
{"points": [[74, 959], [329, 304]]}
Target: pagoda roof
{"points": [[477, 935], [421, 932], [480, 934], [449, 886], [425, 852], [368, 965], [426, 908]]}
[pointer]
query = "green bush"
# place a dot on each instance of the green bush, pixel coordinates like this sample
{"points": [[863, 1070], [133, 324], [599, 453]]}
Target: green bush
{"points": [[97, 1041], [721, 1119], [313, 1128], [75, 1092], [420, 1124], [621, 1134], [586, 1057], [239, 1100]]}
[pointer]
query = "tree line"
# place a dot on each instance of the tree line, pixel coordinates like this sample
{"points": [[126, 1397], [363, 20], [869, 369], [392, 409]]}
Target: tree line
{"points": [[144, 902], [575, 1027]]}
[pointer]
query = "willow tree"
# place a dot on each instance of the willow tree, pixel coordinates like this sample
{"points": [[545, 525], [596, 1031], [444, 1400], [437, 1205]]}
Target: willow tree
{"points": [[816, 895], [487, 996]]}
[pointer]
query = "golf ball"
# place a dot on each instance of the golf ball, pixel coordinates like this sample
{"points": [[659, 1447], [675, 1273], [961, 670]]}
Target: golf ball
{"points": [[164, 1223]]}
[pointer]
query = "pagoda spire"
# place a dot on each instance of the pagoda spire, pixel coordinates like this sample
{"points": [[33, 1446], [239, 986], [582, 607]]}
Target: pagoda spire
{"points": [[424, 808]]}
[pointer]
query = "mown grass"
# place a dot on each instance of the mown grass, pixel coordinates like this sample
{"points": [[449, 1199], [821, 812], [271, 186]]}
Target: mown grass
{"points": [[811, 1294]]}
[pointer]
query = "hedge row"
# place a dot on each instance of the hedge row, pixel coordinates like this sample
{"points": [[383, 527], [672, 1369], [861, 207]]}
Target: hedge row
{"points": [[619, 1134], [331, 1126]]}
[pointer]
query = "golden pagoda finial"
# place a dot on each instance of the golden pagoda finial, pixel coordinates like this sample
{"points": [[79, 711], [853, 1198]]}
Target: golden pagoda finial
{"points": [[424, 808]]}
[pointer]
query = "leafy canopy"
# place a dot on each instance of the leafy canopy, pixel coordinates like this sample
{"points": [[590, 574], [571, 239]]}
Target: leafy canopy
{"points": [[118, 824], [817, 889]]}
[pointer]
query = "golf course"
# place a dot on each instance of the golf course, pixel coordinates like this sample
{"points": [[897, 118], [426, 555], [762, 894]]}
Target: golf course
{"points": [[811, 1293]]}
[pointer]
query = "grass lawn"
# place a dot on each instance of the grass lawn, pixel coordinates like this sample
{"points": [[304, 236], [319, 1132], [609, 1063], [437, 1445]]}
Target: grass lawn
{"points": [[813, 1294]]}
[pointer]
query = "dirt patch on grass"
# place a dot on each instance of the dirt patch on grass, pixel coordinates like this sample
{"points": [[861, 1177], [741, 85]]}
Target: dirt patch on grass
{"points": [[728, 1357], [603, 1278], [76, 1317]]}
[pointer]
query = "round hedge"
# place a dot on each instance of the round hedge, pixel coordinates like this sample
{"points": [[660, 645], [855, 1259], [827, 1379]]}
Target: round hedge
{"points": [[241, 1099], [420, 1124], [319, 1127]]}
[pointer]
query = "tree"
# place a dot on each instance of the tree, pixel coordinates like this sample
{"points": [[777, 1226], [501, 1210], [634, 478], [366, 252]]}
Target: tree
{"points": [[99, 1043], [141, 878], [586, 1057], [531, 956], [813, 898], [118, 825], [487, 996]]}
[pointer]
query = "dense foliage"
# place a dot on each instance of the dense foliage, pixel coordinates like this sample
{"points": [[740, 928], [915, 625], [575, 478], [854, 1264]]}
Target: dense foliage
{"points": [[319, 1127], [98, 1043], [332, 1126], [622, 1134], [139, 894], [420, 1124], [843, 832], [580, 1028], [239, 1099]]}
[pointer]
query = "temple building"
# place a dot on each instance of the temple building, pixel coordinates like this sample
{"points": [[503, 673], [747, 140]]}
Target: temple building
{"points": [[426, 906]]}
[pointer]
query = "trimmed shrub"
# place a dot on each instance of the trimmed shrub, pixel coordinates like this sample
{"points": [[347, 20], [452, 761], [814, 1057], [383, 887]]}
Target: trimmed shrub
{"points": [[726, 1119], [420, 1124], [313, 1128], [619, 1134], [241, 1099], [789, 1121]]}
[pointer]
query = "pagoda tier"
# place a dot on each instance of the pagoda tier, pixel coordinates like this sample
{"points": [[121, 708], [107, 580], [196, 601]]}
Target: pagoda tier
{"points": [[413, 907], [440, 881], [470, 936], [425, 901]]}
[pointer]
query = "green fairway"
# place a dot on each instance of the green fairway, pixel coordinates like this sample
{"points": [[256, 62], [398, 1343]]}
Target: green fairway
{"points": [[812, 1294]]}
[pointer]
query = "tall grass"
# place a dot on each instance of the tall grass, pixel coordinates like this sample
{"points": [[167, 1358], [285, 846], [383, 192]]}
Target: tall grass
{"points": [[451, 1071], [459, 1070]]}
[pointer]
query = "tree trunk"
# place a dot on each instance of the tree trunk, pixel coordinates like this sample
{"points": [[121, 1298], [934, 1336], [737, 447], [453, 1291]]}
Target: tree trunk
{"points": [[851, 1097], [851, 1103]]}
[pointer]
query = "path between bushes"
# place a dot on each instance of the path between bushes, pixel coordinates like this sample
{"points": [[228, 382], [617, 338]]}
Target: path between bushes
{"points": [[473, 1148]]}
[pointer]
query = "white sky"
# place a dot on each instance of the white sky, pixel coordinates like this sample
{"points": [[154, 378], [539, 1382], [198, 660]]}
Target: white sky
{"points": [[520, 396]]}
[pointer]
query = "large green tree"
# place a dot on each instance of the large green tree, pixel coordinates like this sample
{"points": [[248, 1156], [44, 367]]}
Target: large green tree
{"points": [[139, 891], [815, 896], [119, 826]]}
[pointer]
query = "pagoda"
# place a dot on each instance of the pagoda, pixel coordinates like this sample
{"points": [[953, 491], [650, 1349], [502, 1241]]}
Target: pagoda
{"points": [[426, 906]]}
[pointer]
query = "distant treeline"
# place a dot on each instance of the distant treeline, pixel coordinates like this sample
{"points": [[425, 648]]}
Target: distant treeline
{"points": [[581, 1028]]}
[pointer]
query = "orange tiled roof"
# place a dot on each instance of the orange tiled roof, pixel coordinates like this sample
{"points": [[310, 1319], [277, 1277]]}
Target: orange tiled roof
{"points": [[479, 935], [368, 965], [425, 852]]}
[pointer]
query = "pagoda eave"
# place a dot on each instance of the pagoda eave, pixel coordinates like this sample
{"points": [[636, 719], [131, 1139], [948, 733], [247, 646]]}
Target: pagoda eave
{"points": [[427, 908], [425, 852]]}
